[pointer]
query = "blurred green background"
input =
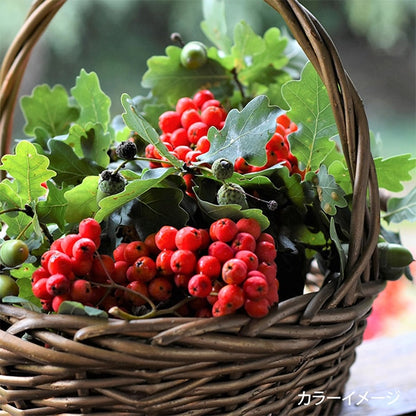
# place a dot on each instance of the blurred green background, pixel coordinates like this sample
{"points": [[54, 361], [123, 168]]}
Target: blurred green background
{"points": [[375, 39]]}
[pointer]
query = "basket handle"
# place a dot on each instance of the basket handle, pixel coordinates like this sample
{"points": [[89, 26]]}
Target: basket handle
{"points": [[354, 134], [15, 62]]}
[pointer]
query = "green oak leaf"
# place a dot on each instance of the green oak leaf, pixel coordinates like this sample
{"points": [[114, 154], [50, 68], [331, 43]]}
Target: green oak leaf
{"points": [[52, 211], [401, 209], [139, 124], [311, 110], [330, 194], [90, 142], [169, 80], [392, 171], [82, 200], [244, 134], [94, 104], [9, 197], [29, 169], [132, 190], [48, 109], [214, 25], [69, 168], [339, 171]]}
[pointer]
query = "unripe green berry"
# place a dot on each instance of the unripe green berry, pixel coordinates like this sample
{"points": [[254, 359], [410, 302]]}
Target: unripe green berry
{"points": [[231, 193], [194, 55], [222, 169]]}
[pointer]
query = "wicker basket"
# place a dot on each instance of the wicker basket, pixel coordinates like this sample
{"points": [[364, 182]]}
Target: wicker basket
{"points": [[231, 365]]}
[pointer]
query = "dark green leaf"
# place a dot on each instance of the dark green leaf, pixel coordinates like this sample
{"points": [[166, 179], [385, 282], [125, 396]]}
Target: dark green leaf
{"points": [[244, 134], [137, 123], [133, 190], [70, 169], [49, 109], [341, 252], [32, 304]]}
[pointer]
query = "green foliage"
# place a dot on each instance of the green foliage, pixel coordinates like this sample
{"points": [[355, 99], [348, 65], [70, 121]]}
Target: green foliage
{"points": [[310, 108], [401, 209], [245, 133]]}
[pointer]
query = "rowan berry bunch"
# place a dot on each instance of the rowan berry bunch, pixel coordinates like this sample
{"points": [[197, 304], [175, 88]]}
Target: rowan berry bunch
{"points": [[228, 267], [184, 133]]}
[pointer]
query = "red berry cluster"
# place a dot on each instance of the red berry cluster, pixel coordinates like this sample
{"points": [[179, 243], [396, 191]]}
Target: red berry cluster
{"points": [[184, 130], [277, 150], [228, 267]]}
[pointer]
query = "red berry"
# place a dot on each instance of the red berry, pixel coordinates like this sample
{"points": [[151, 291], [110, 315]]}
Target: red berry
{"points": [[183, 104], [160, 288], [199, 285], [196, 131], [222, 251], [244, 241], [268, 268], [90, 228], [190, 117], [59, 263], [201, 96], [182, 151], [265, 251], [163, 262], [57, 284], [119, 274], [81, 291], [203, 144], [220, 309], [234, 271], [183, 261], [39, 273], [188, 238], [181, 280], [232, 296], [212, 116], [118, 252], [283, 120], [134, 250], [179, 138], [266, 237], [84, 248], [57, 244], [144, 270], [58, 300], [142, 293], [249, 258], [44, 260], [150, 243], [249, 225], [81, 266], [39, 289], [165, 238], [210, 103], [223, 229], [255, 287], [102, 268], [205, 239], [209, 265], [169, 121], [68, 242], [257, 308]]}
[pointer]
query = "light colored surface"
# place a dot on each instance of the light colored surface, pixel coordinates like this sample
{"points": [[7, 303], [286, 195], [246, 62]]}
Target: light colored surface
{"points": [[383, 378]]}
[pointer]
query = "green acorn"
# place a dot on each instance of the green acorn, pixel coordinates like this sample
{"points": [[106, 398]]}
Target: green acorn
{"points": [[231, 193], [110, 183], [222, 169]]}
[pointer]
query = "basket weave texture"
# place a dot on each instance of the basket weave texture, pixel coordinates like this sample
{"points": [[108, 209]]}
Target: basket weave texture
{"points": [[231, 365]]}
